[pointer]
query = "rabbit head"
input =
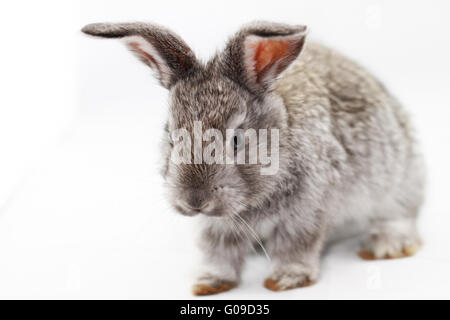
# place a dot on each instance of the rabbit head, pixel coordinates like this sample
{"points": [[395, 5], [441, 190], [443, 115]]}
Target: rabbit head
{"points": [[233, 92]]}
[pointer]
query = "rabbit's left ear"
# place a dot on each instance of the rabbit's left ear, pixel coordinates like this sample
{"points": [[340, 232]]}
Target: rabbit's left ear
{"points": [[159, 48], [260, 52]]}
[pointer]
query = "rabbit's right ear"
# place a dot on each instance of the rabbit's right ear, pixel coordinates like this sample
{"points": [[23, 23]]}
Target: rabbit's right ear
{"points": [[159, 48], [260, 52]]}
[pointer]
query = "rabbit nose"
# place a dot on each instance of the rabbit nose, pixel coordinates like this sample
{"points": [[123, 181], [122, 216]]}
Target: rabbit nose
{"points": [[196, 202]]}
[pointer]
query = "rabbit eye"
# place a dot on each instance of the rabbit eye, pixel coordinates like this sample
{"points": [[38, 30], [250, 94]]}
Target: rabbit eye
{"points": [[237, 141]]}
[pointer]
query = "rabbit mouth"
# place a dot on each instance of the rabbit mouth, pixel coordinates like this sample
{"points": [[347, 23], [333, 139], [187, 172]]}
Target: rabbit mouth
{"points": [[207, 209], [183, 211]]}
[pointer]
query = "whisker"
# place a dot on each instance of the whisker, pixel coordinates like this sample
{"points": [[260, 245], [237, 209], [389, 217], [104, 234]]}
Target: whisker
{"points": [[233, 228], [255, 236], [243, 231]]}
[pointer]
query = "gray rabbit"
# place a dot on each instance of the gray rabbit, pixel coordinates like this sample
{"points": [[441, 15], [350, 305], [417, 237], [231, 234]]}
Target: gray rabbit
{"points": [[347, 158]]}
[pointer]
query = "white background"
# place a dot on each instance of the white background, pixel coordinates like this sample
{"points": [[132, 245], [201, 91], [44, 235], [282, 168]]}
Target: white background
{"points": [[82, 206]]}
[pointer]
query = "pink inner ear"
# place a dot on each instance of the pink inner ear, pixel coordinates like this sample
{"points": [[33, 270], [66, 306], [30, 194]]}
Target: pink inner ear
{"points": [[137, 48], [268, 52]]}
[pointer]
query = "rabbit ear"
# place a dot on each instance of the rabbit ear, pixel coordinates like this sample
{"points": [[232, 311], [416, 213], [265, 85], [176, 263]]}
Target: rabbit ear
{"points": [[260, 52], [159, 48]]}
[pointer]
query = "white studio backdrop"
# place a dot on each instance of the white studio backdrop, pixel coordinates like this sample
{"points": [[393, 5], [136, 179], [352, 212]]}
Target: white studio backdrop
{"points": [[82, 207]]}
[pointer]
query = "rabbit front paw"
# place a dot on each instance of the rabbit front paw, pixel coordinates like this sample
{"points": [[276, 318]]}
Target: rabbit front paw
{"points": [[208, 285], [293, 276]]}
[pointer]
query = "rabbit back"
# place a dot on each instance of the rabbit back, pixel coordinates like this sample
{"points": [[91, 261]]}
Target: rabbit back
{"points": [[353, 138]]}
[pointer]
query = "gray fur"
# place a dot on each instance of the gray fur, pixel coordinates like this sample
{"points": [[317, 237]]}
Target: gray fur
{"points": [[348, 156]]}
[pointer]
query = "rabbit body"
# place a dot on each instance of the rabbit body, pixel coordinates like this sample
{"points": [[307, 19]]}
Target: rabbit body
{"points": [[354, 169], [359, 134]]}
